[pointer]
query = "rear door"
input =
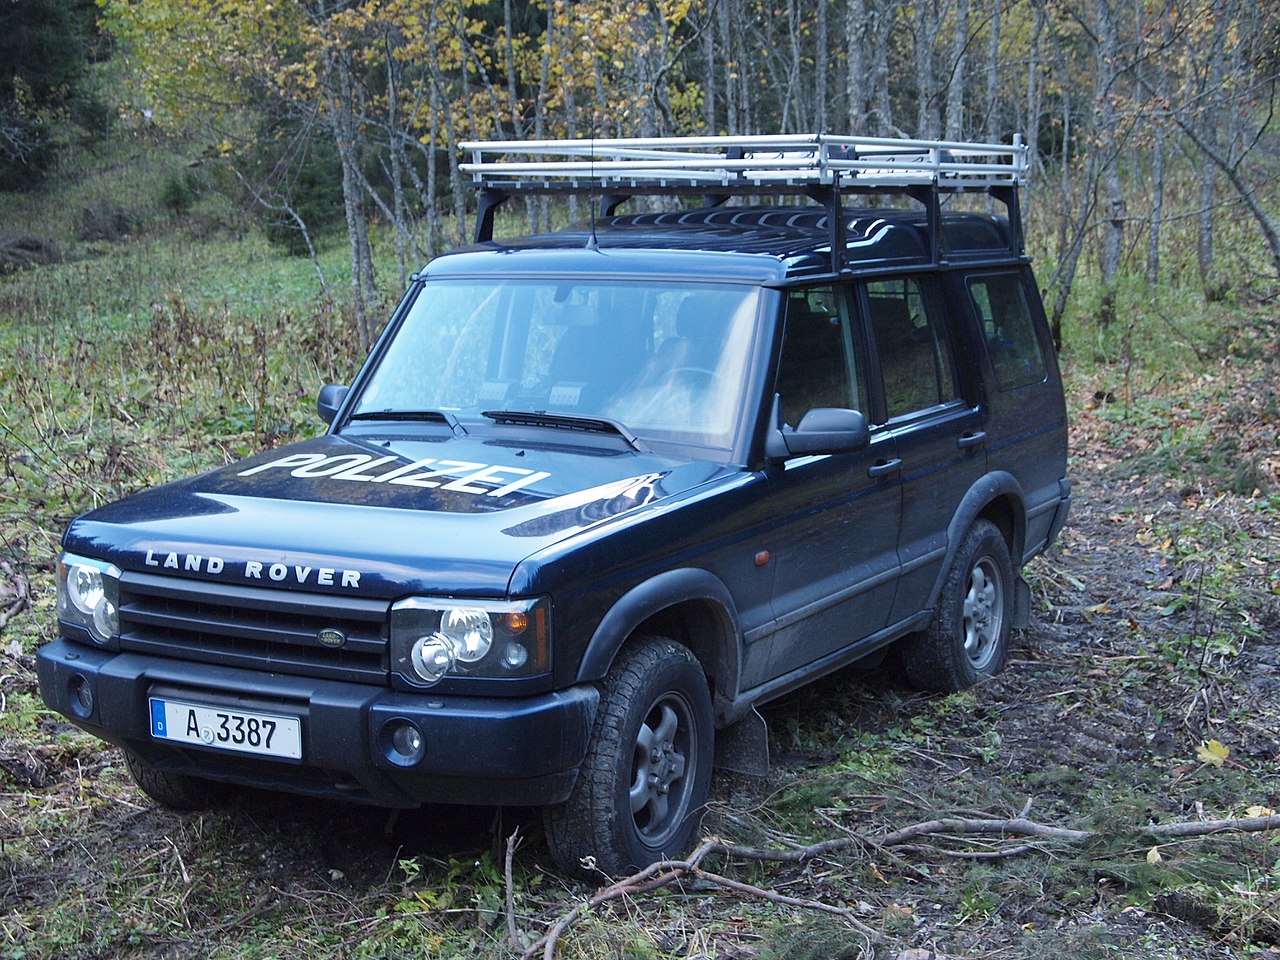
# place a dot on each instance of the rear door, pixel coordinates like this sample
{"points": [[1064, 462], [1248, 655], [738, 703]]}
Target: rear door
{"points": [[934, 418], [1028, 420]]}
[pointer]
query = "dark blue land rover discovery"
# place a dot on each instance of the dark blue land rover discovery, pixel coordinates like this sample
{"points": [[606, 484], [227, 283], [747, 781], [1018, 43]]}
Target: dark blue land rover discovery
{"points": [[597, 494]]}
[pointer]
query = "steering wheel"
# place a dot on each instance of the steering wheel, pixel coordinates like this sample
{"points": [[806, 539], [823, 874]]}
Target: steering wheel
{"points": [[704, 372]]}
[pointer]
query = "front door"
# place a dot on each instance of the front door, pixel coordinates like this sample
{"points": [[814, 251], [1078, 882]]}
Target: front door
{"points": [[835, 542]]}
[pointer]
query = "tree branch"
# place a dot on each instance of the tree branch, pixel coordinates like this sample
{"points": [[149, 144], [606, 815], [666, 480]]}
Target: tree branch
{"points": [[513, 844], [21, 594], [658, 875]]}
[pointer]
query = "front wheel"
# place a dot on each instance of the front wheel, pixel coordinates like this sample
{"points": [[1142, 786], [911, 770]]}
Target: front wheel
{"points": [[177, 791], [968, 639], [642, 787]]}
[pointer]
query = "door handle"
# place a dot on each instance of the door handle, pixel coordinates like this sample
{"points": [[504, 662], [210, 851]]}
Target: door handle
{"points": [[887, 468], [972, 440]]}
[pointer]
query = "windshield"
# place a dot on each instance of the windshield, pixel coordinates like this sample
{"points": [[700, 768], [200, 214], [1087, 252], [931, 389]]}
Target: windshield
{"points": [[666, 359]]}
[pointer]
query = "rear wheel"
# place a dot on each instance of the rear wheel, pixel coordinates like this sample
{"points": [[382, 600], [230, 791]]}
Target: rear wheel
{"points": [[178, 791], [968, 639], [642, 787]]}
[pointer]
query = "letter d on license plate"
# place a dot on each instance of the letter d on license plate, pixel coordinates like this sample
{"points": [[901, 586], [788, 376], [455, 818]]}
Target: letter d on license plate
{"points": [[264, 734]]}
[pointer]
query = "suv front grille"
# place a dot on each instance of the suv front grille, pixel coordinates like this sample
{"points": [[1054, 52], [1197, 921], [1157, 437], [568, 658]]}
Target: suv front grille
{"points": [[260, 629]]}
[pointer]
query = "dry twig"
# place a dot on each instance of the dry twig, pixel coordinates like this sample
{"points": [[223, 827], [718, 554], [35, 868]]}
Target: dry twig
{"points": [[513, 844], [22, 594], [664, 872]]}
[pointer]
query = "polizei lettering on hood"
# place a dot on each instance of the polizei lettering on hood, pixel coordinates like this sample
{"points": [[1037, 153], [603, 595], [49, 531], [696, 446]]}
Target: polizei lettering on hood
{"points": [[257, 570], [464, 476]]}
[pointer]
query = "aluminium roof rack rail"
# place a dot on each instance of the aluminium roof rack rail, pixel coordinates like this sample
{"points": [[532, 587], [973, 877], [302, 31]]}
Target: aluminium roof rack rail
{"points": [[820, 166]]}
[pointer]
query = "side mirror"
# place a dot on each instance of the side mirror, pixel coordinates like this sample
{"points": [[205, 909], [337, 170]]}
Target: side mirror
{"points": [[821, 430], [330, 399]]}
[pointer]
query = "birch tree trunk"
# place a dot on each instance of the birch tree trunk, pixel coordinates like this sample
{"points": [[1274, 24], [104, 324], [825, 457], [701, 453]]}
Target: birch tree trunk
{"points": [[992, 124], [821, 60], [791, 121], [433, 137], [341, 93], [395, 149], [1071, 229], [1245, 191], [857, 81], [518, 127], [709, 80], [1031, 125], [928, 120], [1158, 156], [1211, 136], [540, 113], [1106, 145], [882, 111], [955, 86], [443, 109], [730, 66]]}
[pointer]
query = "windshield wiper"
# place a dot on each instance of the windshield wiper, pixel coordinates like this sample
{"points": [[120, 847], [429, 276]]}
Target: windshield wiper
{"points": [[567, 421], [423, 416]]}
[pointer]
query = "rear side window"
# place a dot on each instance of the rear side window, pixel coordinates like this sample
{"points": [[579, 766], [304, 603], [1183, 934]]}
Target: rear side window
{"points": [[915, 358], [1001, 305]]}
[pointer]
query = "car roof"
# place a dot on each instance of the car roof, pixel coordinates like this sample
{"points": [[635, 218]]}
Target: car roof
{"points": [[746, 243]]}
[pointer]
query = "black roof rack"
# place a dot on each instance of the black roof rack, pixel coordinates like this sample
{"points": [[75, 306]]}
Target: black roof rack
{"points": [[819, 166]]}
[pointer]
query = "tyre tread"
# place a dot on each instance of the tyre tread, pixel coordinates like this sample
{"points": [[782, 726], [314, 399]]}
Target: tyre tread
{"points": [[177, 791], [930, 659], [581, 830]]}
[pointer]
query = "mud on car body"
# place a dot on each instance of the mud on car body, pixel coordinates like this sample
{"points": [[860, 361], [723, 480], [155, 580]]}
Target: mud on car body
{"points": [[596, 495]]}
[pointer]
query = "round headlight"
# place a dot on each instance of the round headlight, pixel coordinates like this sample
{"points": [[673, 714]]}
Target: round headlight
{"points": [[432, 657], [84, 588], [471, 630], [106, 620]]}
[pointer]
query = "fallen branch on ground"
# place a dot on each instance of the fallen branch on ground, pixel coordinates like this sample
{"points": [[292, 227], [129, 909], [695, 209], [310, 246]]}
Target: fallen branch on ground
{"points": [[21, 598], [665, 872]]}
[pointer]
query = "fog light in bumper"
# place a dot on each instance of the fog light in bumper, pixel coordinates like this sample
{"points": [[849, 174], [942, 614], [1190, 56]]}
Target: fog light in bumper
{"points": [[402, 743], [80, 696]]}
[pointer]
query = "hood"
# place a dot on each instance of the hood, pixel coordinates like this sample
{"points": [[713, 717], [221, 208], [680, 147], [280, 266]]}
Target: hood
{"points": [[379, 518]]}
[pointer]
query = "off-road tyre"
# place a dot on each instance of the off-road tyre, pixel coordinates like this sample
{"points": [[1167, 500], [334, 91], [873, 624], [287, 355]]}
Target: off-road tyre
{"points": [[968, 638], [642, 787], [177, 791]]}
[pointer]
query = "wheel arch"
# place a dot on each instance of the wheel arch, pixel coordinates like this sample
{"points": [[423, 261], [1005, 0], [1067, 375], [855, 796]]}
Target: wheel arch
{"points": [[996, 497], [691, 607]]}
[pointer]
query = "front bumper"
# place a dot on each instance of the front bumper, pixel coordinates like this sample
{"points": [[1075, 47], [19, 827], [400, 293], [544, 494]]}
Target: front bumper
{"points": [[486, 750]]}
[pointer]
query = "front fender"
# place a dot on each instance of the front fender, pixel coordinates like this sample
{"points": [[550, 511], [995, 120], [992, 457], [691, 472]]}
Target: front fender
{"points": [[714, 639]]}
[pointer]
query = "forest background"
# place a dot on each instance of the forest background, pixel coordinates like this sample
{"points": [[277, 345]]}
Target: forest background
{"points": [[1149, 121], [207, 208]]}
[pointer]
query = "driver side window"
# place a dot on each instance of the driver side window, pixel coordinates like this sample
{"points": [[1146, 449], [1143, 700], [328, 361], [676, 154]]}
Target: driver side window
{"points": [[819, 366]]}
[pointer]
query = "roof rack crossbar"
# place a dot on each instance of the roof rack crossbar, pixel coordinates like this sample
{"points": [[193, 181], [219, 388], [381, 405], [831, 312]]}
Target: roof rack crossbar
{"points": [[821, 166], [794, 160]]}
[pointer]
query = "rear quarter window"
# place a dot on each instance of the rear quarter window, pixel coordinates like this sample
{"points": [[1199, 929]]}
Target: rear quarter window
{"points": [[1000, 302]]}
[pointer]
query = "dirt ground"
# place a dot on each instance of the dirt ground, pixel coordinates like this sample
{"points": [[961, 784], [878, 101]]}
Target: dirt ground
{"points": [[1095, 723]]}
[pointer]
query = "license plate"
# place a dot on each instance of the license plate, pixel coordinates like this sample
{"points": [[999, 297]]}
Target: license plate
{"points": [[265, 734]]}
